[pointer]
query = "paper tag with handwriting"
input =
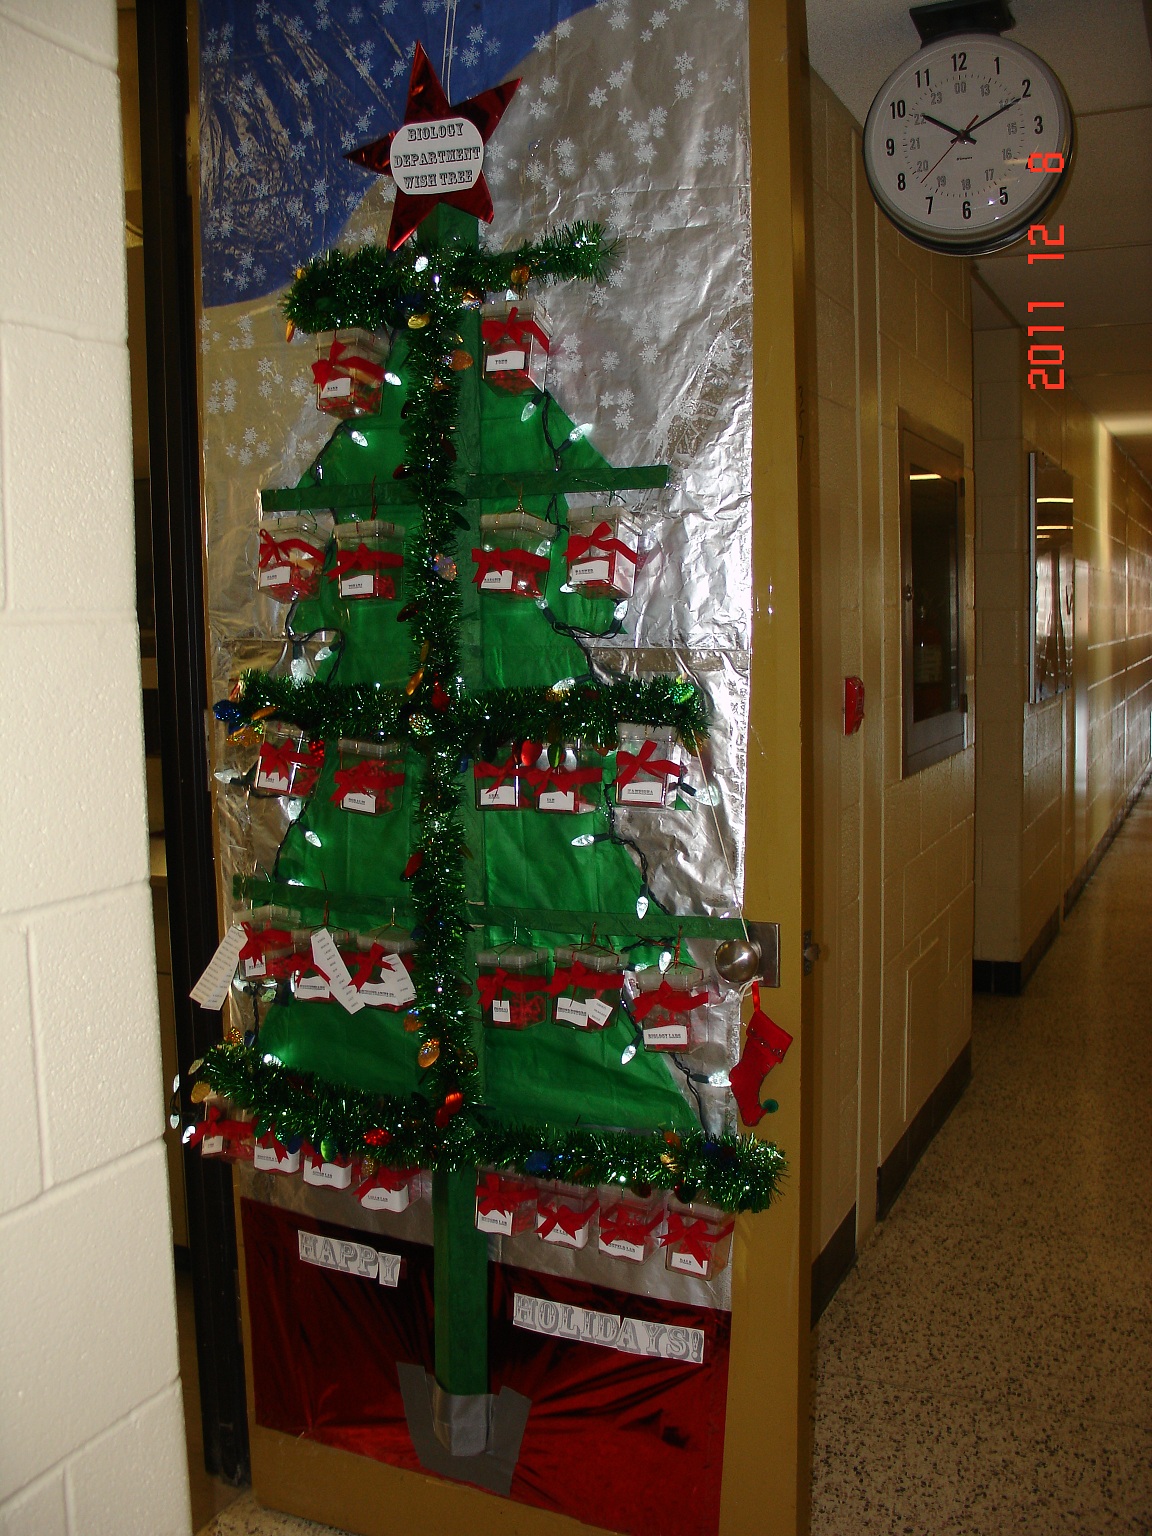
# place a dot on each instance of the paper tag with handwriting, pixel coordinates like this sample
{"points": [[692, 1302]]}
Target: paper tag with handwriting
{"points": [[212, 988], [328, 960]]}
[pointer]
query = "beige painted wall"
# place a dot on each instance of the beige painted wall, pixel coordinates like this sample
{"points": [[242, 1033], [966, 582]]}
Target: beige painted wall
{"points": [[893, 864], [1053, 777], [91, 1422]]}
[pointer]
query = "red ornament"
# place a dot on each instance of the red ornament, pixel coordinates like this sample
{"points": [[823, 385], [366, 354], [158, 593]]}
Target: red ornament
{"points": [[413, 864], [378, 1138], [427, 103], [452, 1105]]}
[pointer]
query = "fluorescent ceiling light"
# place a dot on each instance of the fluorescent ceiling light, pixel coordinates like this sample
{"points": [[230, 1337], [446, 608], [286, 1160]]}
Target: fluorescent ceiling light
{"points": [[1046, 501], [1053, 527], [925, 477]]}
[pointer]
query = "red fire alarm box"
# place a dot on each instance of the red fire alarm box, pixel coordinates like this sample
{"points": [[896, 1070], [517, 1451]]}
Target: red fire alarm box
{"points": [[853, 704]]}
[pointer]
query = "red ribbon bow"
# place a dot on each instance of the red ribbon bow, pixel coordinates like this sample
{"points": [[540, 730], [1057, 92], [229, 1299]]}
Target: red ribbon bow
{"points": [[694, 1238], [385, 1178], [366, 777], [513, 329], [495, 1194], [295, 967], [214, 1124], [341, 363], [278, 762], [600, 538], [258, 940], [500, 773], [563, 1216], [629, 764], [562, 779], [521, 562], [578, 975], [669, 999], [498, 981], [619, 1225], [272, 1143], [363, 559], [280, 552], [365, 962]]}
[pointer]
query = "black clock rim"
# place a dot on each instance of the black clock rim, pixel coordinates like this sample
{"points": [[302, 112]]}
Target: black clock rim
{"points": [[991, 240]]}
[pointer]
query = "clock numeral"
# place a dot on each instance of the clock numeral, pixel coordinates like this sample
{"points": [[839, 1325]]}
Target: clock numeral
{"points": [[986, 89], [927, 77], [965, 183], [920, 168], [960, 88], [901, 183], [1026, 87], [928, 200], [1039, 160], [935, 97], [967, 210], [963, 61], [1039, 121], [997, 60], [890, 147], [899, 109], [1004, 194]]}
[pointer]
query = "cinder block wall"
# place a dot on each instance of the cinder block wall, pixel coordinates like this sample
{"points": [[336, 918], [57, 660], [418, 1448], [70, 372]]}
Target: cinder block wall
{"points": [[91, 1427]]}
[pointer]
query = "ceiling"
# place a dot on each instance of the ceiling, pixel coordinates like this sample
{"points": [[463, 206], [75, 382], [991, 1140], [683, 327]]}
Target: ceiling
{"points": [[1100, 50]]}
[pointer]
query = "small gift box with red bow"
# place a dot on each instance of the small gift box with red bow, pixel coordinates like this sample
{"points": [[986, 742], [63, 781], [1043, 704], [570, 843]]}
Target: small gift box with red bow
{"points": [[697, 1239], [270, 1155], [305, 979], [505, 1203], [517, 339], [513, 986], [223, 1132], [565, 1214], [498, 782], [649, 762], [288, 763], [290, 558], [666, 1007], [268, 943], [325, 1173], [565, 778], [369, 561], [586, 986], [349, 372], [603, 548], [380, 965], [630, 1224], [370, 778], [513, 557], [389, 1189]]}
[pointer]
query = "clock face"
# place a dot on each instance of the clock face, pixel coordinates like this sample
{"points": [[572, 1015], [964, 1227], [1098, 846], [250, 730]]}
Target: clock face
{"points": [[967, 142]]}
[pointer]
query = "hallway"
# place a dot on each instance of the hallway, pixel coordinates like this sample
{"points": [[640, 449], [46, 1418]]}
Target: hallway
{"points": [[986, 1370]]}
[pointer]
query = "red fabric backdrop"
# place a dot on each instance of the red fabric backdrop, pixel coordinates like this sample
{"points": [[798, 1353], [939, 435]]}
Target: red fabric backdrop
{"points": [[619, 1441]]}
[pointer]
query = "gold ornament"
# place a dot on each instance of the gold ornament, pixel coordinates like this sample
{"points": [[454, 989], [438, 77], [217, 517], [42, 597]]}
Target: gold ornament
{"points": [[368, 1166], [428, 1053], [518, 277], [200, 1092], [412, 1022], [469, 299], [418, 322], [290, 330], [460, 361]]}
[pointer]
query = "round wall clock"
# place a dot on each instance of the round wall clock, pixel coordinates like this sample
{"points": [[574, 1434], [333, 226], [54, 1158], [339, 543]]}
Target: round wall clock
{"points": [[967, 143]]}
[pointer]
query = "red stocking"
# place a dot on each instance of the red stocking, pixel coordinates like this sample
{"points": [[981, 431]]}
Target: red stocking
{"points": [[764, 1045]]}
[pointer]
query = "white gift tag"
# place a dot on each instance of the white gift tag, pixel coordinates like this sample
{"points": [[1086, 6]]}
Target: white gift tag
{"points": [[266, 1161], [564, 1239], [328, 960], [212, 1146], [212, 988], [494, 1221], [622, 1248], [394, 974], [313, 989], [569, 1011], [253, 968], [501, 1011], [641, 792], [589, 570], [675, 1035], [336, 389], [328, 1175], [358, 802], [501, 795], [688, 1263], [363, 584], [275, 575], [377, 1199], [556, 800], [599, 1012], [496, 581], [278, 783], [505, 362]]}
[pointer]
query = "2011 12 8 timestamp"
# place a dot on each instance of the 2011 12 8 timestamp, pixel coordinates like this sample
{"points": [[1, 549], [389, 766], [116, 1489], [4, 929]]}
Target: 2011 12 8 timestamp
{"points": [[1045, 358]]}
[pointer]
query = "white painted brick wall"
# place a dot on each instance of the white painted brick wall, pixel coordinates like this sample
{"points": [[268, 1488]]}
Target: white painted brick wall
{"points": [[91, 1422]]}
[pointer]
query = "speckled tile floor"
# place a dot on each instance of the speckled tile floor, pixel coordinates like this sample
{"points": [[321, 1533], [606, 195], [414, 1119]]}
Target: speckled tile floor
{"points": [[986, 1370]]}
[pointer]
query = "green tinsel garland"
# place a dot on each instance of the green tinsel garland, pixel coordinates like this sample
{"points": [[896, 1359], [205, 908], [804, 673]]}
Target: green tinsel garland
{"points": [[372, 287], [736, 1173], [477, 723]]}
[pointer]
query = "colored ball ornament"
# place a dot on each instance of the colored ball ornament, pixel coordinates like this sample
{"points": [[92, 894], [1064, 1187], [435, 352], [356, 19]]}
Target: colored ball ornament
{"points": [[738, 960], [428, 1053], [452, 1105], [470, 299], [200, 1092], [418, 322], [445, 567], [460, 360], [378, 1137], [519, 276]]}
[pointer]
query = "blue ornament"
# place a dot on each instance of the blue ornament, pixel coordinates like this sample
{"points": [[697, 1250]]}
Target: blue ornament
{"points": [[537, 1164], [229, 712]]}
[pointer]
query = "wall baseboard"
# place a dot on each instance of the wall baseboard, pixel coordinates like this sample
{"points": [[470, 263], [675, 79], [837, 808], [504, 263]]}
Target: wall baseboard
{"points": [[832, 1264], [892, 1175], [1008, 978]]}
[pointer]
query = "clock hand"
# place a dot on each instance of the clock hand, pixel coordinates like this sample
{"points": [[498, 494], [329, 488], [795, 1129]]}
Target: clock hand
{"points": [[957, 133], [979, 123], [956, 139]]}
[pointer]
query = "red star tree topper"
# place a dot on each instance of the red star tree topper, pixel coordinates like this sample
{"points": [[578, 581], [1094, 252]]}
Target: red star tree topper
{"points": [[437, 154]]}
